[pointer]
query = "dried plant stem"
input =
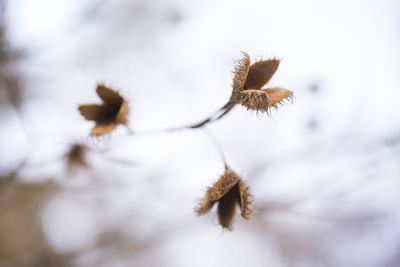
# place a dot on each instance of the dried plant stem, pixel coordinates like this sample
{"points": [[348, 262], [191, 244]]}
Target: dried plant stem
{"points": [[213, 117]]}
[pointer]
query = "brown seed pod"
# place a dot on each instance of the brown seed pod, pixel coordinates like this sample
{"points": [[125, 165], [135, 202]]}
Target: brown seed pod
{"points": [[113, 111], [229, 191], [249, 79]]}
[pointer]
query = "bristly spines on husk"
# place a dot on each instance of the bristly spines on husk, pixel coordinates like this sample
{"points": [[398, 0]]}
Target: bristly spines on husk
{"points": [[240, 73], [229, 191], [255, 100], [246, 200], [216, 191]]}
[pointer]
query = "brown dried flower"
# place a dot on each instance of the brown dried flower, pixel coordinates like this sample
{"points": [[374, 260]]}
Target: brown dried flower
{"points": [[248, 80], [229, 191], [76, 157], [110, 114]]}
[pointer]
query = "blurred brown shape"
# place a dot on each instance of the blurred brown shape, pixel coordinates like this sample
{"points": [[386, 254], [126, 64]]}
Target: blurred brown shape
{"points": [[76, 157], [7, 54], [110, 114], [249, 79], [10, 78], [230, 190], [22, 241]]}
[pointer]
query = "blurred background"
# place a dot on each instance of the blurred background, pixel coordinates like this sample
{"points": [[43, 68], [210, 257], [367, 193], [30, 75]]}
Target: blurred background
{"points": [[324, 170]]}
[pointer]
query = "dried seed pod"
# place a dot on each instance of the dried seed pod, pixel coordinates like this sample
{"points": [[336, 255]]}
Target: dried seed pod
{"points": [[113, 111], [229, 191], [249, 79], [228, 180]]}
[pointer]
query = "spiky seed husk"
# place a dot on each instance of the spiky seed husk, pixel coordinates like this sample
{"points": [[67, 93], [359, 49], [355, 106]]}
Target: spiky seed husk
{"points": [[248, 81], [228, 180], [108, 115], [255, 100], [229, 191], [276, 95], [261, 72], [240, 73]]}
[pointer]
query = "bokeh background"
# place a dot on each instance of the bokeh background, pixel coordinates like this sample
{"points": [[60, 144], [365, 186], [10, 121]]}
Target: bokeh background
{"points": [[324, 170]]}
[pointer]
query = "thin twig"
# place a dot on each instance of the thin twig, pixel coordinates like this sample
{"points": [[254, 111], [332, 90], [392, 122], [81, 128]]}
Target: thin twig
{"points": [[225, 109], [213, 117], [216, 144]]}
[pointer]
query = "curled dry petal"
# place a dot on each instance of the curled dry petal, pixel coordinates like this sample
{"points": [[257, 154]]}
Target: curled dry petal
{"points": [[276, 95], [261, 72], [108, 95], [122, 116], [92, 112]]}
